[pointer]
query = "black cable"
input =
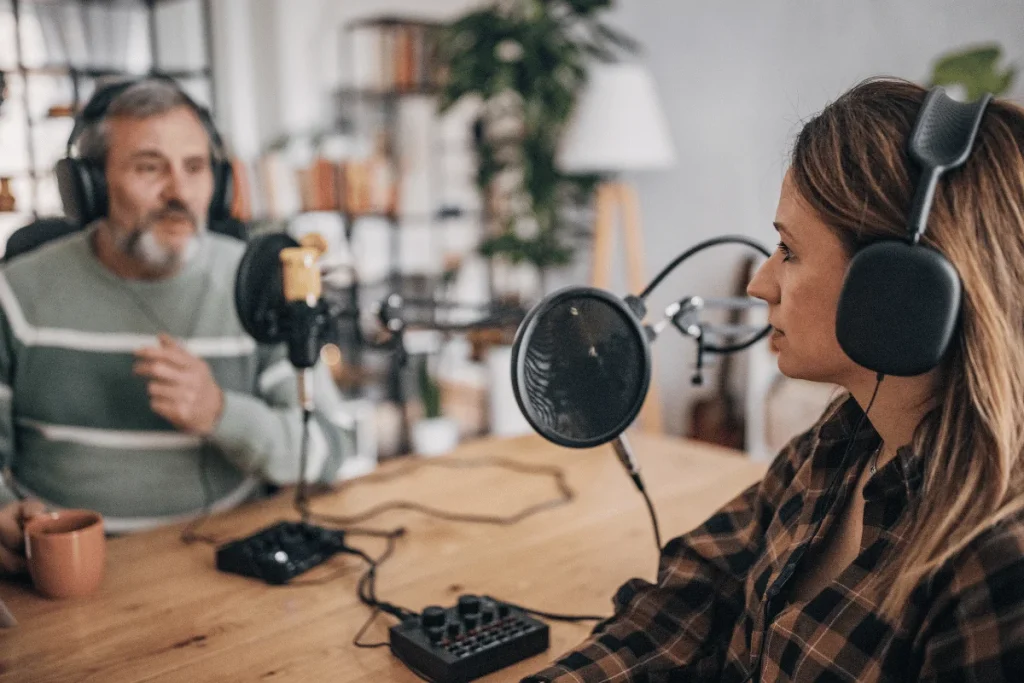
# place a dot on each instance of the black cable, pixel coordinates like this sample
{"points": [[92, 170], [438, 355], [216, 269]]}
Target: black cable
{"points": [[554, 616], [566, 493], [364, 628], [366, 591], [650, 508], [714, 241], [366, 587], [740, 346]]}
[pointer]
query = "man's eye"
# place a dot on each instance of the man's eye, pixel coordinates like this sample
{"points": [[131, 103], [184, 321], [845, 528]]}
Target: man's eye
{"points": [[146, 168]]}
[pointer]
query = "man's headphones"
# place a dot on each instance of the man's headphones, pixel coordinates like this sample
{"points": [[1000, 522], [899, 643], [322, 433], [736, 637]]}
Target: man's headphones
{"points": [[900, 301], [83, 183]]}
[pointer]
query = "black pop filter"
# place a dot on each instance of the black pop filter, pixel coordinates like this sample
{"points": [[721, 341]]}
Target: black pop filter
{"points": [[259, 288], [581, 367]]}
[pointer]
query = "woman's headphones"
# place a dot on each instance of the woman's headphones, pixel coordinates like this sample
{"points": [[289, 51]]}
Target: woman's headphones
{"points": [[900, 301], [83, 183]]}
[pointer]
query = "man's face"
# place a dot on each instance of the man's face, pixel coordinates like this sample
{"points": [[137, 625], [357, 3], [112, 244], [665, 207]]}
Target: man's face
{"points": [[159, 184]]}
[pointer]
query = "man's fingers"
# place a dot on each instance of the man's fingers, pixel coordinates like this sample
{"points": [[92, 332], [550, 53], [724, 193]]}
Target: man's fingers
{"points": [[161, 355], [161, 371], [169, 350], [176, 350], [167, 341], [169, 409], [168, 391], [11, 562], [30, 508]]}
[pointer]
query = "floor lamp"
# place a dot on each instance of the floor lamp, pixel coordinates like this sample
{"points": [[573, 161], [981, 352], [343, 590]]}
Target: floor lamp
{"points": [[618, 127]]}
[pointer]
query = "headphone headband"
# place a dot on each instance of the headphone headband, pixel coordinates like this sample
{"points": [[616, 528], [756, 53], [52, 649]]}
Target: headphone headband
{"points": [[96, 109], [900, 304]]}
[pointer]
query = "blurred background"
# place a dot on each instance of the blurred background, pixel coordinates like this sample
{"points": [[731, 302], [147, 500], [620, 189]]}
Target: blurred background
{"points": [[480, 154]]}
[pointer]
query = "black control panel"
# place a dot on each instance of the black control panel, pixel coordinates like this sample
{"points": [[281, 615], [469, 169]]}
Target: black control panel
{"points": [[476, 637], [280, 552]]}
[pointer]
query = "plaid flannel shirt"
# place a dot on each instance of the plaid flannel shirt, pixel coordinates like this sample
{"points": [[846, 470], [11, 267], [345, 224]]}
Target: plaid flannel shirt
{"points": [[721, 610]]}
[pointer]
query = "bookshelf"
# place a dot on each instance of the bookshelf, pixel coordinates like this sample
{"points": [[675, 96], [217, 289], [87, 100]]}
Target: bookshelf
{"points": [[393, 69]]}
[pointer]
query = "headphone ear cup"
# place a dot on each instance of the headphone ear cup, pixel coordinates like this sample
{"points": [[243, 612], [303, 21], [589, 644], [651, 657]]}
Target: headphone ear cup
{"points": [[898, 308], [83, 190], [223, 191], [100, 199]]}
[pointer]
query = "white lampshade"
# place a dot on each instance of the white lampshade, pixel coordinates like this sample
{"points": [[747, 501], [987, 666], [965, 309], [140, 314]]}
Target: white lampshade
{"points": [[618, 124]]}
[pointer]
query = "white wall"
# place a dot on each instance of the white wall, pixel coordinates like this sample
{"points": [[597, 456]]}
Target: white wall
{"points": [[736, 79], [295, 55]]}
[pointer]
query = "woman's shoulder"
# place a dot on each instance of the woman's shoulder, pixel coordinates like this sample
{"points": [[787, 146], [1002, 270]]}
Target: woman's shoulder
{"points": [[989, 567]]}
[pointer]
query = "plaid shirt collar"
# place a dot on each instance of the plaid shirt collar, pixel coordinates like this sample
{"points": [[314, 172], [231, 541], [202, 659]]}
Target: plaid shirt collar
{"points": [[899, 479]]}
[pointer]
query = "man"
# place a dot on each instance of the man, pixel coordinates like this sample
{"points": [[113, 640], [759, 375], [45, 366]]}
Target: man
{"points": [[127, 384]]}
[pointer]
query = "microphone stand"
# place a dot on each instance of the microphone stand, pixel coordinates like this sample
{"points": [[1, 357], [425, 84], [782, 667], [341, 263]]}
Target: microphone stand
{"points": [[685, 316], [306, 318]]}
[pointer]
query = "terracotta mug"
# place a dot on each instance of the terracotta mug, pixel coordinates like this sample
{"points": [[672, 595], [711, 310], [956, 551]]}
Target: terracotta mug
{"points": [[66, 551]]}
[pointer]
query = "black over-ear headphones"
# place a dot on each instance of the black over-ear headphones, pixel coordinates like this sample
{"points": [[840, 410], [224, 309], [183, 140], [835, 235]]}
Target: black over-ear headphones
{"points": [[900, 301], [83, 184]]}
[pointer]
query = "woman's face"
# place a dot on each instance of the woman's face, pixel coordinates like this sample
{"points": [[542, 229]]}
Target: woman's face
{"points": [[801, 283]]}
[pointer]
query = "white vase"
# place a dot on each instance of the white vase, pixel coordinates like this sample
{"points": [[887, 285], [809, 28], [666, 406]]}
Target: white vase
{"points": [[506, 419], [435, 436]]}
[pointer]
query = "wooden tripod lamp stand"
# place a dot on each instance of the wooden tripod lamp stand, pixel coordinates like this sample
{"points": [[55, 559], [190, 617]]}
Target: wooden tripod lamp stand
{"points": [[618, 126]]}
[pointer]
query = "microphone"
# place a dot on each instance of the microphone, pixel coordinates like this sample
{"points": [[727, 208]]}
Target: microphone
{"points": [[305, 309], [581, 359]]}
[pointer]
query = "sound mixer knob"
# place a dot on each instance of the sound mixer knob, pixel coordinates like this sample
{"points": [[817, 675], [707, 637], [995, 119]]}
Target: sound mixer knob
{"points": [[470, 620], [468, 604], [503, 610], [453, 630], [432, 617]]}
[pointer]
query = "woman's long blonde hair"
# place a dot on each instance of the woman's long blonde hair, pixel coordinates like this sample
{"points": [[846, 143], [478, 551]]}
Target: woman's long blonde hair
{"points": [[850, 164]]}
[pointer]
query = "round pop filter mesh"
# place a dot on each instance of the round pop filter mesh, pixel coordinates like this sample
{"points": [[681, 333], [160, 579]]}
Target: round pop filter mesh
{"points": [[581, 367], [259, 290]]}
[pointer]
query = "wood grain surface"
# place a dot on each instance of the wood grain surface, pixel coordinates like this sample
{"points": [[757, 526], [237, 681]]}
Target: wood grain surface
{"points": [[164, 612]]}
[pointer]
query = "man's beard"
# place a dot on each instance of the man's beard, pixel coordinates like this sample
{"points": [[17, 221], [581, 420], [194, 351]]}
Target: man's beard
{"points": [[141, 245]]}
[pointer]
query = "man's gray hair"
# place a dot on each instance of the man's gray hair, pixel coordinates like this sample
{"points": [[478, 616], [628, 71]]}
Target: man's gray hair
{"points": [[151, 97]]}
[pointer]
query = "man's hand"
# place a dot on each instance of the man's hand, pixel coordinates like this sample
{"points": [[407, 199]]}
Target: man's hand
{"points": [[181, 387], [12, 534]]}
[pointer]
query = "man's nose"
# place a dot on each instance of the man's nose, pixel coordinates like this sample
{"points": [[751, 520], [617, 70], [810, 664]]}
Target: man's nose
{"points": [[174, 185]]}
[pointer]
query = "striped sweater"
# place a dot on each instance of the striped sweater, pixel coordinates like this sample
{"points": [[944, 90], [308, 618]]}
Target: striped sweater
{"points": [[76, 428]]}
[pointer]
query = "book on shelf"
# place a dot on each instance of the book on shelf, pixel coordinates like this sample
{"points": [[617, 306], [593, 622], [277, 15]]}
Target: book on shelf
{"points": [[394, 57]]}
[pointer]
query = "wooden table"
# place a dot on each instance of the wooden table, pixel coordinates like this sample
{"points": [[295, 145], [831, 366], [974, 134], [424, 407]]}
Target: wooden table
{"points": [[164, 613]]}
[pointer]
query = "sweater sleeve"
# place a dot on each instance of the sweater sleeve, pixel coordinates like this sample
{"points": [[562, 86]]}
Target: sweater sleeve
{"points": [[261, 432], [6, 409]]}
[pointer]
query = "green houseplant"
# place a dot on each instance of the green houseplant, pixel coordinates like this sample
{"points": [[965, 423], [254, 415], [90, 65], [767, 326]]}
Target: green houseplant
{"points": [[434, 434], [430, 391], [976, 69], [525, 61]]}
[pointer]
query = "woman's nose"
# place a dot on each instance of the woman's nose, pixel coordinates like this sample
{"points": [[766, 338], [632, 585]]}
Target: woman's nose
{"points": [[762, 285]]}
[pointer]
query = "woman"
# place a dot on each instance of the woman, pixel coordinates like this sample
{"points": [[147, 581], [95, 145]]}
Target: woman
{"points": [[913, 569]]}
